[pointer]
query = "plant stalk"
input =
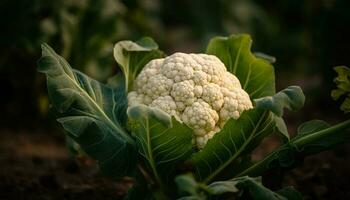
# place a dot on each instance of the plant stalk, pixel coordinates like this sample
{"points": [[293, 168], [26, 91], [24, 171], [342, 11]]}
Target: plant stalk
{"points": [[321, 134], [263, 165]]}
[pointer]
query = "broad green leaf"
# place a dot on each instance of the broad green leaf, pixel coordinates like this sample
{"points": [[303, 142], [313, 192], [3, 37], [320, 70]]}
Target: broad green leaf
{"points": [[186, 184], [343, 87], [133, 56], [311, 127], [313, 137], [250, 187], [256, 75], [92, 113], [222, 187], [290, 193], [161, 139], [256, 190], [291, 98], [236, 137], [190, 189], [316, 136], [266, 128]]}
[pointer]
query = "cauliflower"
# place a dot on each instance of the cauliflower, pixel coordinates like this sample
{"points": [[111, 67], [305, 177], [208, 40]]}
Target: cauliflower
{"points": [[194, 88]]}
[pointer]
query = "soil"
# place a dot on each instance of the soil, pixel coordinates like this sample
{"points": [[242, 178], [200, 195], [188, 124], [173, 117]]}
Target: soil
{"points": [[38, 166]]}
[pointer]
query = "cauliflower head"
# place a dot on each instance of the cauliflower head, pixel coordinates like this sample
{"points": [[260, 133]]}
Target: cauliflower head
{"points": [[194, 88]]}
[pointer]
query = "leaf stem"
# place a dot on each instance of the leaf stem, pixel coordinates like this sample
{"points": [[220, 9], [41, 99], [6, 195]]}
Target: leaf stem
{"points": [[321, 134], [151, 159], [263, 165]]}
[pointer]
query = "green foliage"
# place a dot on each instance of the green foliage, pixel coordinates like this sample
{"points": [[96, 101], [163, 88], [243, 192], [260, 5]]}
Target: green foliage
{"points": [[239, 136], [313, 137], [154, 147], [91, 113], [256, 75], [227, 145], [242, 187], [133, 56], [158, 139], [291, 98], [343, 87]]}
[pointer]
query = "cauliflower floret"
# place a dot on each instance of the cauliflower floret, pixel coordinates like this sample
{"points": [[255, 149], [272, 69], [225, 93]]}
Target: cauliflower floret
{"points": [[167, 104], [229, 81], [201, 78], [212, 95], [184, 92], [201, 117], [177, 67], [151, 69], [202, 140], [134, 98], [194, 88], [235, 102], [157, 85]]}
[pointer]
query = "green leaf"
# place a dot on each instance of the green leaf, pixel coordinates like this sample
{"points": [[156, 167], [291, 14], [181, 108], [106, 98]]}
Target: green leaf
{"points": [[290, 193], [186, 184], [222, 187], [281, 127], [236, 138], [117, 82], [133, 56], [161, 139], [291, 98], [251, 187], [256, 190], [256, 75], [345, 106], [316, 136], [311, 127], [139, 191], [92, 113], [343, 87], [313, 137]]}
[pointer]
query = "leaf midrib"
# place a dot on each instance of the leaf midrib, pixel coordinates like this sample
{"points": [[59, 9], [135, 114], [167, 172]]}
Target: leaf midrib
{"points": [[225, 164], [103, 114], [97, 107], [237, 57], [150, 154]]}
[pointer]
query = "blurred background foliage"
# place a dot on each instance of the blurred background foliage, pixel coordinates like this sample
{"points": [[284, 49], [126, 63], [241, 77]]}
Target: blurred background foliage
{"points": [[308, 38]]}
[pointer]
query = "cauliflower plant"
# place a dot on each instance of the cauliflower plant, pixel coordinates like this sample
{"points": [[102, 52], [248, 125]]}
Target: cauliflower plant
{"points": [[194, 88]]}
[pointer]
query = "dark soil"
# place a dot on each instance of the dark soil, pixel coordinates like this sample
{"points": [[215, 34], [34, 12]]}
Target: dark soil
{"points": [[323, 176], [38, 166]]}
